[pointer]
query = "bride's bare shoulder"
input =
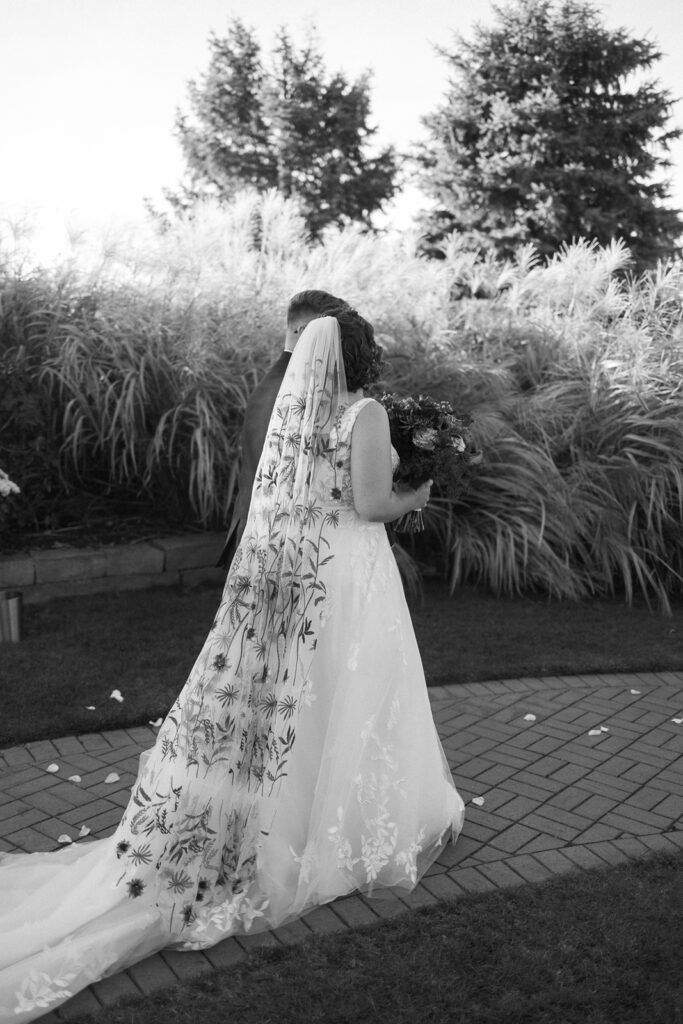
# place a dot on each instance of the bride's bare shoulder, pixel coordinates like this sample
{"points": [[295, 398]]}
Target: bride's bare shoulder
{"points": [[372, 412], [371, 423]]}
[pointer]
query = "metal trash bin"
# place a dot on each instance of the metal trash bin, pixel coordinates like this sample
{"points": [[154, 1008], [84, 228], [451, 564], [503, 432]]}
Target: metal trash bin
{"points": [[11, 616]]}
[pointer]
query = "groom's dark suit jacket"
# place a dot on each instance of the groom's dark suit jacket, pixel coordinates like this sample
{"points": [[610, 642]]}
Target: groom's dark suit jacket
{"points": [[256, 418]]}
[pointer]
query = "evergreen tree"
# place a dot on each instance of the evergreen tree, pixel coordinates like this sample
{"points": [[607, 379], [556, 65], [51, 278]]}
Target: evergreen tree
{"points": [[288, 125], [549, 132]]}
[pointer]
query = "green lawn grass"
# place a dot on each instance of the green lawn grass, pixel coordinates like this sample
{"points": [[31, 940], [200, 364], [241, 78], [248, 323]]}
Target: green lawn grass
{"points": [[77, 650], [599, 947]]}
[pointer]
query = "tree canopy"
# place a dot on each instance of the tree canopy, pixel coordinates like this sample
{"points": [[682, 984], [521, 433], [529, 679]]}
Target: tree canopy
{"points": [[286, 124], [550, 130]]}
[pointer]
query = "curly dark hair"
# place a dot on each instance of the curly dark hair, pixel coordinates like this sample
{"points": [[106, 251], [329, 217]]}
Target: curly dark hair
{"points": [[362, 355], [314, 301]]}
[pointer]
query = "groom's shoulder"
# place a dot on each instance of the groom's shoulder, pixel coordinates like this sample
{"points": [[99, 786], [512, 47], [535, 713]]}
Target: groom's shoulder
{"points": [[269, 384], [275, 372]]}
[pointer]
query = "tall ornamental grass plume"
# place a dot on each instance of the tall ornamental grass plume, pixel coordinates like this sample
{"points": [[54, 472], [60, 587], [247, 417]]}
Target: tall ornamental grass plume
{"points": [[572, 374], [125, 369]]}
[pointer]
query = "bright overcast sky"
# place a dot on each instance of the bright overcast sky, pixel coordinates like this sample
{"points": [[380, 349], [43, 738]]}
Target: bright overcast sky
{"points": [[90, 87]]}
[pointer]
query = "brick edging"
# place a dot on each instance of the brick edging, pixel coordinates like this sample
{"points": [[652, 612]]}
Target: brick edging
{"points": [[41, 575]]}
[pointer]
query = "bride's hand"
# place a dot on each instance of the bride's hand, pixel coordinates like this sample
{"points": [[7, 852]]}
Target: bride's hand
{"points": [[422, 495]]}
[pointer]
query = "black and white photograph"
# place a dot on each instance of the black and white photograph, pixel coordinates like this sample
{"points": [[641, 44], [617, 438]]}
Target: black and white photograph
{"points": [[341, 512]]}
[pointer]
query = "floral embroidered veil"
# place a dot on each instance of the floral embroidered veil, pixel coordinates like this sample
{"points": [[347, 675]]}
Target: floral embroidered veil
{"points": [[207, 792]]}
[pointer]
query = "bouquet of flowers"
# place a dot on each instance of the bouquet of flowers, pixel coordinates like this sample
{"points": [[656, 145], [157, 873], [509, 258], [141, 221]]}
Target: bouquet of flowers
{"points": [[432, 444]]}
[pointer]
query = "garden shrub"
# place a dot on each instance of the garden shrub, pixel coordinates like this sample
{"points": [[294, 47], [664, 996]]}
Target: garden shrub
{"points": [[124, 374]]}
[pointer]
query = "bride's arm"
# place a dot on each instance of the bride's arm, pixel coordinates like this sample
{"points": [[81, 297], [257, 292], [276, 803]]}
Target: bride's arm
{"points": [[371, 473]]}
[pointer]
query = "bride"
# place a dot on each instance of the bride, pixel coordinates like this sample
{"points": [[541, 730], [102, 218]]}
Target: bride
{"points": [[300, 762]]}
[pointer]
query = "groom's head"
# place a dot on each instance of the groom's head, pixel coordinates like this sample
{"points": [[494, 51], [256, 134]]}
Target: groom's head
{"points": [[306, 306]]}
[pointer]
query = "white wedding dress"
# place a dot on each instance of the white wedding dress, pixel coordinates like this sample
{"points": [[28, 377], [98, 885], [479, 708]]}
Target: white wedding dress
{"points": [[299, 763]]}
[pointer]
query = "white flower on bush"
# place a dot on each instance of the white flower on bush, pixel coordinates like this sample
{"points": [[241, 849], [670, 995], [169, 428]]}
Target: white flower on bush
{"points": [[7, 486], [458, 443]]}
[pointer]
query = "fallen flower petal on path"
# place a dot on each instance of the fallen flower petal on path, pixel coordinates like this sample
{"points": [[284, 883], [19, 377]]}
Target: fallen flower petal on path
{"points": [[603, 728], [64, 839], [90, 707], [52, 768], [595, 732], [116, 695], [530, 718], [75, 778], [85, 831], [678, 721], [156, 724], [478, 800], [112, 777], [635, 691]]}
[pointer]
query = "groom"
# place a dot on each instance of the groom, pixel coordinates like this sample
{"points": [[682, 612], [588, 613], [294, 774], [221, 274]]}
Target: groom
{"points": [[303, 307]]}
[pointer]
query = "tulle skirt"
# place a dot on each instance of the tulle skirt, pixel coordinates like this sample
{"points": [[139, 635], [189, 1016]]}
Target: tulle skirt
{"points": [[367, 805]]}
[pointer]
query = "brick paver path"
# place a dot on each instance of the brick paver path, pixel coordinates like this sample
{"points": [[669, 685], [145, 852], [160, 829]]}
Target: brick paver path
{"points": [[555, 799]]}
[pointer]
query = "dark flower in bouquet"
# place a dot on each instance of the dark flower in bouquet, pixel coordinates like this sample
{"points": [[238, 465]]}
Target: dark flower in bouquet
{"points": [[432, 444]]}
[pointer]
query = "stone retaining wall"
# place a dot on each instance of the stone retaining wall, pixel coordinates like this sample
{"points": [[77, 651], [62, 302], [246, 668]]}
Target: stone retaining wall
{"points": [[66, 572]]}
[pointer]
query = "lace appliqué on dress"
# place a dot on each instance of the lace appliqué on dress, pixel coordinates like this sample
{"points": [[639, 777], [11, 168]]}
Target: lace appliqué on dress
{"points": [[374, 789], [39, 990]]}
